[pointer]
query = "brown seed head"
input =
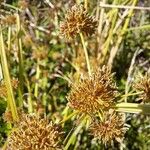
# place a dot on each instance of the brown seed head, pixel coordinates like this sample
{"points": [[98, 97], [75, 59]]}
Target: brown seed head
{"points": [[111, 128], [34, 133], [94, 93], [78, 20], [9, 20], [144, 86]]}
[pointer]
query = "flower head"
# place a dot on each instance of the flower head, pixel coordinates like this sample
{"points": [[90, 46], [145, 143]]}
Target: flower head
{"points": [[34, 133], [144, 86], [111, 128], [78, 20], [93, 93]]}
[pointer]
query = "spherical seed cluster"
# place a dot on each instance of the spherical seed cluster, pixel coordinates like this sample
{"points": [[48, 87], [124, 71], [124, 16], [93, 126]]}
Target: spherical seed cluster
{"points": [[144, 86], [34, 133], [111, 128], [78, 20], [94, 93]]}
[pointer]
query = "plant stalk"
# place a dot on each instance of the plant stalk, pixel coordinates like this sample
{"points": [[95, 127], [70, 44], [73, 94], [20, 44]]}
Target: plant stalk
{"points": [[10, 95], [133, 108], [86, 54]]}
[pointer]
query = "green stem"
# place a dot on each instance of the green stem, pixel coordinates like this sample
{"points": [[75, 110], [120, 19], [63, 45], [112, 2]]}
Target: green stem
{"points": [[86, 54], [30, 105], [21, 66], [120, 36], [108, 40], [144, 27], [74, 134], [133, 108], [37, 77], [9, 38], [100, 23], [131, 94], [10, 95], [68, 117]]}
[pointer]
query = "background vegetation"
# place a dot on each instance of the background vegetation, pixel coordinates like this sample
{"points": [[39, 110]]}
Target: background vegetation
{"points": [[42, 63]]}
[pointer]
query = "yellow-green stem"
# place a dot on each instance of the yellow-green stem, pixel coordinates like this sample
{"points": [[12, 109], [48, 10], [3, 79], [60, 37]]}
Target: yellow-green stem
{"points": [[133, 108], [143, 27], [9, 38], [105, 47], [37, 78], [20, 56], [68, 117], [30, 105], [74, 134], [86, 4], [86, 54], [120, 36], [10, 95]]}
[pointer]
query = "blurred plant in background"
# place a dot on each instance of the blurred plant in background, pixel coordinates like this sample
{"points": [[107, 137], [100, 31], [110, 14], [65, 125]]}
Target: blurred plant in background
{"points": [[56, 72]]}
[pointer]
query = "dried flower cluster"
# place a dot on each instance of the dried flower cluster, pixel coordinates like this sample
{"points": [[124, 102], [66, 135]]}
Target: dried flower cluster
{"points": [[40, 53], [3, 88], [7, 116], [9, 20], [94, 93], [78, 20], [23, 4], [34, 133], [111, 128], [144, 86]]}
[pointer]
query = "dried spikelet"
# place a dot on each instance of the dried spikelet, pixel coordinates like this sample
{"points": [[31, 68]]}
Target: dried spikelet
{"points": [[40, 53], [77, 20], [15, 83], [23, 4], [27, 41], [3, 88], [7, 116], [34, 133], [144, 86], [9, 20], [111, 128], [94, 93], [80, 63]]}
